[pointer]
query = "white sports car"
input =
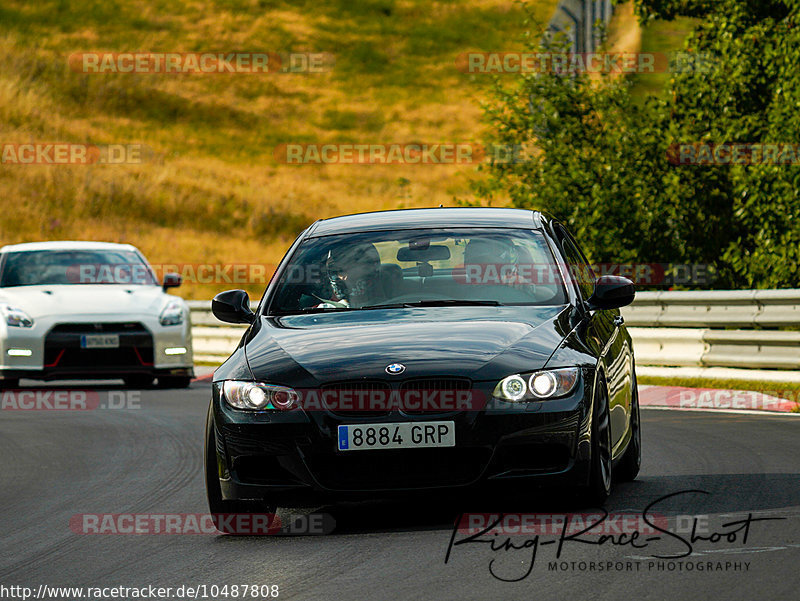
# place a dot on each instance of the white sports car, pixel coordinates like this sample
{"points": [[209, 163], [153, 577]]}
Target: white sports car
{"points": [[90, 310]]}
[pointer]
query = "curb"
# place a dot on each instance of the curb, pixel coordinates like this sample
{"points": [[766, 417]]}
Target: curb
{"points": [[710, 399]]}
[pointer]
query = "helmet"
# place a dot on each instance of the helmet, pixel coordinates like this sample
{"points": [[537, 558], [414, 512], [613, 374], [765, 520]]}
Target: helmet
{"points": [[483, 251], [353, 261]]}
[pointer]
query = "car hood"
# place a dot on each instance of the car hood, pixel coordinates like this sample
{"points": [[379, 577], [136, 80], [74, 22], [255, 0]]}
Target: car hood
{"points": [[475, 342], [85, 299]]}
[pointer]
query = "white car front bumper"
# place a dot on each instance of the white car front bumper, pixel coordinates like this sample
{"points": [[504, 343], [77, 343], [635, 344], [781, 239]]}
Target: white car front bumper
{"points": [[52, 347]]}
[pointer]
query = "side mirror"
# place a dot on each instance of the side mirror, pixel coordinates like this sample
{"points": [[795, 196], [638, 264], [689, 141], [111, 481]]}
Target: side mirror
{"points": [[612, 292], [232, 306], [171, 280]]}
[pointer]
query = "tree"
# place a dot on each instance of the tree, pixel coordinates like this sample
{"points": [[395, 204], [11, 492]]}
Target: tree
{"points": [[600, 159]]}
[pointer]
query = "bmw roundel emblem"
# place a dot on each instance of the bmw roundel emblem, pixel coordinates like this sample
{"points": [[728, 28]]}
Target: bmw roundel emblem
{"points": [[395, 368]]}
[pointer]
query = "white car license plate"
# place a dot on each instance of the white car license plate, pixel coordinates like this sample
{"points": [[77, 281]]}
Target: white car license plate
{"points": [[100, 341], [406, 435]]}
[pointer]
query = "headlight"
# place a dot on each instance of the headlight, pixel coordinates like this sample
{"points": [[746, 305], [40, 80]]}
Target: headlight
{"points": [[256, 396], [172, 315], [15, 317], [540, 385], [543, 384], [513, 388]]}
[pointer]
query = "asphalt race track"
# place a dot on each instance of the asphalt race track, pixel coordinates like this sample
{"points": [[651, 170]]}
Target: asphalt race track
{"points": [[147, 458]]}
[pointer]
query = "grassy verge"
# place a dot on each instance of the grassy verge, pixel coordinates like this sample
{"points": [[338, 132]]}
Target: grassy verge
{"points": [[785, 390]]}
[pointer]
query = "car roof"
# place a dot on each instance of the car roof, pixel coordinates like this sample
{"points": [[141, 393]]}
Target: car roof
{"points": [[66, 245], [427, 218]]}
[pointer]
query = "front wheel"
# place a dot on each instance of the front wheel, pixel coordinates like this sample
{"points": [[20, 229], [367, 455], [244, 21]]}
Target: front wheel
{"points": [[174, 381], [599, 487], [628, 468], [138, 381], [9, 383], [222, 510]]}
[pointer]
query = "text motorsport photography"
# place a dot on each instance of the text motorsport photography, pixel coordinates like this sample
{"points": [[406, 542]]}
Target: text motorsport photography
{"points": [[655, 541]]}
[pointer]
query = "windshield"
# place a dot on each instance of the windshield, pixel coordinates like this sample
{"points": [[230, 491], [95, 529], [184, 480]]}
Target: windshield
{"points": [[419, 268], [58, 267]]}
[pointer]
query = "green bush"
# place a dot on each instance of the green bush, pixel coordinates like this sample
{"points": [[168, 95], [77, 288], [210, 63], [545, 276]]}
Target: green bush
{"points": [[601, 160]]}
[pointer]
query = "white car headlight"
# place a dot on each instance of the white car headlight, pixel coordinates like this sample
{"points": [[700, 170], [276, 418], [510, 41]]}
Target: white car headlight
{"points": [[540, 385], [259, 397], [15, 317], [172, 314]]}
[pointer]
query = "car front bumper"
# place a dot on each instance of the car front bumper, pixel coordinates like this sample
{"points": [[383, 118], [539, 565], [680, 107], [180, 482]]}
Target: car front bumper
{"points": [[51, 349], [291, 457]]}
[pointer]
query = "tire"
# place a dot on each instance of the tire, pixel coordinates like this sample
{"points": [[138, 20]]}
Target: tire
{"points": [[217, 506], [600, 470], [174, 381], [138, 381], [9, 383], [629, 465]]}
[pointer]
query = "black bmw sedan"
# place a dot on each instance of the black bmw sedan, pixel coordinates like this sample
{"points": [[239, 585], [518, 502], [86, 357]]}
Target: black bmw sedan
{"points": [[422, 350]]}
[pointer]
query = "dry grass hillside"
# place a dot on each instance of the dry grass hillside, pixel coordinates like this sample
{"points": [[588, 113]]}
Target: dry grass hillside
{"points": [[212, 191]]}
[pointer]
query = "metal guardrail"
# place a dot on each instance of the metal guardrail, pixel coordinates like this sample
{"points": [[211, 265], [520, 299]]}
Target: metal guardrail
{"points": [[669, 329], [715, 308], [577, 19], [212, 340], [675, 329], [701, 347]]}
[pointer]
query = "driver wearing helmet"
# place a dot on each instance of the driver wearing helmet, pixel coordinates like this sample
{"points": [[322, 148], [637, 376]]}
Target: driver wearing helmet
{"points": [[353, 274], [494, 260]]}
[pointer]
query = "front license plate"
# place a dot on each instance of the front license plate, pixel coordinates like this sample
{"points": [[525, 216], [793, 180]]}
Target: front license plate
{"points": [[100, 341], [406, 435]]}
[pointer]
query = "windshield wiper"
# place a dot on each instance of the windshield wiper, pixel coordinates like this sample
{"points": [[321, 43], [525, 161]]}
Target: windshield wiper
{"points": [[453, 303], [406, 305], [437, 303], [387, 306], [307, 310]]}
